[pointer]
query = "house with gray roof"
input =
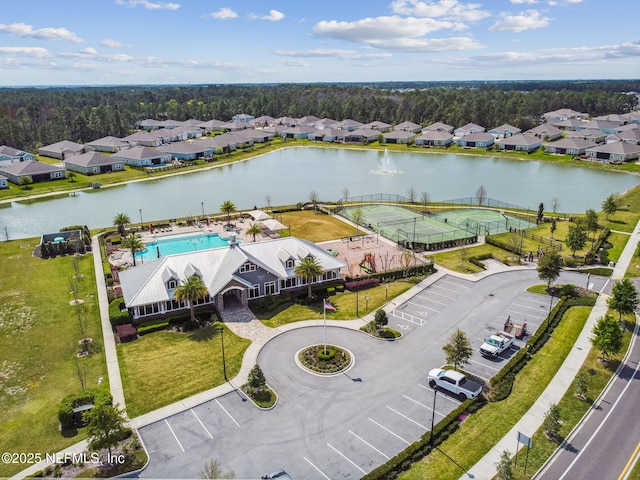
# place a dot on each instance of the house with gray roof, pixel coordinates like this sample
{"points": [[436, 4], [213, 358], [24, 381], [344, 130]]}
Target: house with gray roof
{"points": [[377, 125], [287, 121], [145, 139], [438, 126], [570, 124], [476, 140], [629, 136], [569, 146], [213, 126], [61, 149], [615, 152], [36, 171], [242, 118], [622, 119], [361, 135], [149, 124], [300, 131], [435, 138], [263, 121], [505, 130], [467, 129], [233, 275], [326, 123], [546, 132], [349, 125], [189, 150], [605, 126], [308, 120], [93, 163], [398, 137], [408, 127], [108, 144], [140, 156], [592, 134], [519, 143], [327, 135], [563, 114], [237, 126], [10, 155], [257, 136]]}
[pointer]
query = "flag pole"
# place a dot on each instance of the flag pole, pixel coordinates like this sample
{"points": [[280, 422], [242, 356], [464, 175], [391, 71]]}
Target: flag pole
{"points": [[324, 316]]}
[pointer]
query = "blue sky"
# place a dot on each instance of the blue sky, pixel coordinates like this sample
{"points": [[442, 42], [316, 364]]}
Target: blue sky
{"points": [[77, 42]]}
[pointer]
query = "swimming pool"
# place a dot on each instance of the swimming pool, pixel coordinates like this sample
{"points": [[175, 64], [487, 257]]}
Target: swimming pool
{"points": [[181, 244]]}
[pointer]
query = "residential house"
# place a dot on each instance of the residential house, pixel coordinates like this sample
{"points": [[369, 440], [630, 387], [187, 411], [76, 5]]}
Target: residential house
{"points": [[300, 131], [380, 126], [257, 136], [192, 122], [263, 121], [93, 163], [563, 114], [326, 123], [213, 126], [615, 152], [232, 275], [546, 132], [596, 136], [361, 135], [189, 150], [308, 120], [237, 126], [569, 146], [169, 123], [4, 182], [327, 135], [629, 136], [467, 129], [10, 155], [519, 142], [349, 125], [149, 124], [108, 144], [408, 127], [141, 156], [168, 135], [605, 126], [398, 136], [287, 121], [61, 149], [242, 118], [476, 140], [36, 171], [438, 126], [570, 124], [621, 119], [504, 131], [188, 131], [145, 139], [435, 138]]}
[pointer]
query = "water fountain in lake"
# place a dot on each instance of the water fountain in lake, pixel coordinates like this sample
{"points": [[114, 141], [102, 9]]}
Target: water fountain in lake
{"points": [[386, 166]]}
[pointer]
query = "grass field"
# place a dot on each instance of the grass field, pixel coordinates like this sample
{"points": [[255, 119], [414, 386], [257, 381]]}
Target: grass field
{"points": [[39, 335], [163, 367], [314, 226], [453, 259], [480, 432]]}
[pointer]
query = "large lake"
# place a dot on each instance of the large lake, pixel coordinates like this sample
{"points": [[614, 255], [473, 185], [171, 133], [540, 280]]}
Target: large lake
{"points": [[288, 175]]}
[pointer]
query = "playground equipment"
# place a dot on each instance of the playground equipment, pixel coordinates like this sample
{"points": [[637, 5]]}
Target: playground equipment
{"points": [[368, 264]]}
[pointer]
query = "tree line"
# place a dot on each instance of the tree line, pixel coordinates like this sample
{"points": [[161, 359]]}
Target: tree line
{"points": [[32, 117]]}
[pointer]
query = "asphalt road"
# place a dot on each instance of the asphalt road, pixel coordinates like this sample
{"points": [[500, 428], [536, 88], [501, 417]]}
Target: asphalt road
{"points": [[345, 426], [609, 436]]}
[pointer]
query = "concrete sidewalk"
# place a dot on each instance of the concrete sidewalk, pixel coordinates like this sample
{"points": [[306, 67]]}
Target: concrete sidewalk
{"points": [[532, 420]]}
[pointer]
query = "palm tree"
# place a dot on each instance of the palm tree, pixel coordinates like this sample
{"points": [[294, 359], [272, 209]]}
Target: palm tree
{"points": [[120, 220], [191, 291], [309, 269], [134, 244], [228, 207], [254, 230]]}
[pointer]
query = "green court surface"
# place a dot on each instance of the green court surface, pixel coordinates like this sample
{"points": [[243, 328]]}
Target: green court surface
{"points": [[433, 231]]}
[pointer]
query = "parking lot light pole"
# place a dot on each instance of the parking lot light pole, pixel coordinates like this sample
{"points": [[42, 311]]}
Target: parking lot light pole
{"points": [[433, 417], [224, 363], [357, 287]]}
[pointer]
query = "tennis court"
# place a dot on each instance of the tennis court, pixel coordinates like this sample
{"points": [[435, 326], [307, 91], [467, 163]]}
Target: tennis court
{"points": [[434, 231]]}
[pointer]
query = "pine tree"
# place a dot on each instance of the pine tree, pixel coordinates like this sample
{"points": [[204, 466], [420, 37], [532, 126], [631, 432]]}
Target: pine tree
{"points": [[458, 350]]}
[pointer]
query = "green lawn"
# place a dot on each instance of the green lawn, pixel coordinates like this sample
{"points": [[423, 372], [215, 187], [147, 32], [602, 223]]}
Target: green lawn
{"points": [[314, 226], [345, 304], [163, 367], [39, 335], [480, 432], [452, 260], [618, 240]]}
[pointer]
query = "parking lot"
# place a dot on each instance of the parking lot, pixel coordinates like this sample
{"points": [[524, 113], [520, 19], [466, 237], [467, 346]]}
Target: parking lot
{"points": [[345, 426]]}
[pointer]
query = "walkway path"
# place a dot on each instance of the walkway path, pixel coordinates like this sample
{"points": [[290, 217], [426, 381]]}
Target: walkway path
{"points": [[532, 420]]}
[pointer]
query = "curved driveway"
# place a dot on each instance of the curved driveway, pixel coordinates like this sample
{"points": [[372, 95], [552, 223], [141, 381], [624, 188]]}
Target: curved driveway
{"points": [[344, 426]]}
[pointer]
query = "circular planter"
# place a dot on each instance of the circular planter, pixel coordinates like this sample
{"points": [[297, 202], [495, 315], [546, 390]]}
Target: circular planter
{"points": [[328, 365]]}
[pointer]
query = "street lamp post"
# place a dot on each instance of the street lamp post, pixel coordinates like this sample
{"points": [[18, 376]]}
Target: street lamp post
{"points": [[366, 299], [549, 317], [357, 287], [224, 363], [433, 417], [202, 205], [141, 222], [386, 292]]}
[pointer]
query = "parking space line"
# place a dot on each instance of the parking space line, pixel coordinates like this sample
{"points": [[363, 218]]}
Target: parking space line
{"points": [[174, 435], [385, 428], [433, 301], [200, 421], [484, 365], [525, 314], [364, 441], [422, 405], [435, 285], [404, 416], [537, 307], [225, 411], [344, 456], [440, 294], [454, 284], [423, 306], [317, 469]]}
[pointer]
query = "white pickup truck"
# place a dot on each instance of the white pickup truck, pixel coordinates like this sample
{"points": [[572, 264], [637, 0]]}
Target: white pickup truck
{"points": [[455, 382], [496, 344]]}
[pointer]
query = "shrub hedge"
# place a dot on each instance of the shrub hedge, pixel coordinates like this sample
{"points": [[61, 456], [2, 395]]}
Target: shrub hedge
{"points": [[96, 396], [116, 315]]}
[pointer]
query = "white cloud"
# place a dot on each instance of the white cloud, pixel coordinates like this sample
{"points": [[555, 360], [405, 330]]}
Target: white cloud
{"points": [[296, 63], [333, 53], [109, 43], [379, 29], [37, 52], [274, 16], [528, 20], [524, 1], [149, 5], [223, 14], [24, 30], [453, 9]]}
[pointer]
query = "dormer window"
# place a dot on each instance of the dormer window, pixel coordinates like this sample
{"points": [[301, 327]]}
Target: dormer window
{"points": [[290, 263], [247, 267], [172, 283]]}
